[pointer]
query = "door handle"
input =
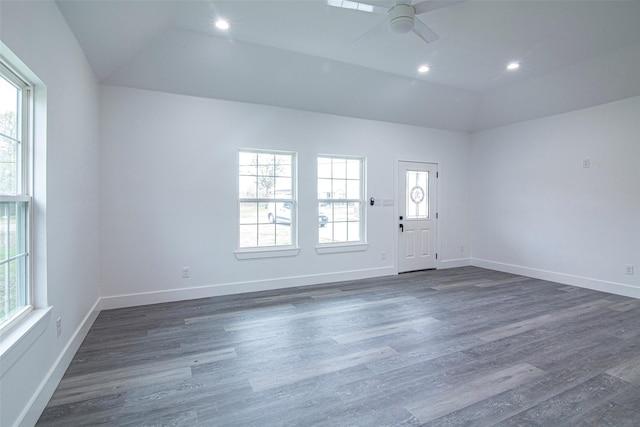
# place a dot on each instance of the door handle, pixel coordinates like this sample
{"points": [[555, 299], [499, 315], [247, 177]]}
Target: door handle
{"points": [[401, 228]]}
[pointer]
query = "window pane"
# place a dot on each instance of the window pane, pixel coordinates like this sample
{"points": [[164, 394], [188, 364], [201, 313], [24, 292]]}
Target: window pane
{"points": [[248, 213], [353, 169], [247, 170], [354, 231], [247, 187], [282, 165], [283, 235], [266, 235], [8, 166], [9, 95], [417, 196], [324, 188], [324, 167], [340, 232], [353, 211], [13, 258], [353, 189], [248, 163], [339, 189], [325, 234], [248, 236], [12, 289], [282, 188], [264, 211], [339, 168], [266, 186], [327, 209], [339, 212], [266, 161]]}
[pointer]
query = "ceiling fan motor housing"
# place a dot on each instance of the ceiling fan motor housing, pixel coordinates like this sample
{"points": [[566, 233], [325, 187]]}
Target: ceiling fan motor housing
{"points": [[401, 18]]}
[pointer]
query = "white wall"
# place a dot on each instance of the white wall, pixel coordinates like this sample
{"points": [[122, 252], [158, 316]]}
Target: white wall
{"points": [[537, 211], [67, 220], [169, 193]]}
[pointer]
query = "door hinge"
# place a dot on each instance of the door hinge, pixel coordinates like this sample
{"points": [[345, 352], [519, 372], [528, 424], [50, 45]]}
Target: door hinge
{"points": [[436, 215], [437, 174], [436, 255]]}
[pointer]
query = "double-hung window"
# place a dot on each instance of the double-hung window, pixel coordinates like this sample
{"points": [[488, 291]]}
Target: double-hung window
{"points": [[341, 199], [15, 201], [267, 199]]}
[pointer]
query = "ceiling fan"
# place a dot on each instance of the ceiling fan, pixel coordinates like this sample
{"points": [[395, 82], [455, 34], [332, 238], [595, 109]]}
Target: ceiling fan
{"points": [[401, 15]]}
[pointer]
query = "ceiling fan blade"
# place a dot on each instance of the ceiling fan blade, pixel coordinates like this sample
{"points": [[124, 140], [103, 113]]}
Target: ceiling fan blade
{"points": [[424, 32], [429, 5], [363, 6], [380, 28]]}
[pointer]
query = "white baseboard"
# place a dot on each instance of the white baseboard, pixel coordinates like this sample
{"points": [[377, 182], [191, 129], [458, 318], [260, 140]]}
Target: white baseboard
{"points": [[567, 279], [38, 402], [130, 300], [453, 263]]}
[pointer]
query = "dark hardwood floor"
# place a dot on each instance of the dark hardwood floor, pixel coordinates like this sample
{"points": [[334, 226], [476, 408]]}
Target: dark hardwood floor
{"points": [[464, 346]]}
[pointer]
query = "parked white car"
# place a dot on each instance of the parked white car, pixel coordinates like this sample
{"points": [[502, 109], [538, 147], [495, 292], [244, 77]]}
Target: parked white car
{"points": [[282, 214]]}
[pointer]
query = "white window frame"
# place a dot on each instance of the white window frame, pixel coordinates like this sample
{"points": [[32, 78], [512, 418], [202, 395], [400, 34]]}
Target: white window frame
{"points": [[342, 246], [24, 189], [275, 250]]}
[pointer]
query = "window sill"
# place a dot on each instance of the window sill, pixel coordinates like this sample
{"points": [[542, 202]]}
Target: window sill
{"points": [[266, 253], [21, 337], [341, 247]]}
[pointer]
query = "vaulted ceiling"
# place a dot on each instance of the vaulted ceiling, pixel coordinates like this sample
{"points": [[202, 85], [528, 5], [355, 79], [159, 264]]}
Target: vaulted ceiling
{"points": [[303, 54]]}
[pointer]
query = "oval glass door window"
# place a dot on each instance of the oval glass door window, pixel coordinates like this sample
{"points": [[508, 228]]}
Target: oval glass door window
{"points": [[417, 197]]}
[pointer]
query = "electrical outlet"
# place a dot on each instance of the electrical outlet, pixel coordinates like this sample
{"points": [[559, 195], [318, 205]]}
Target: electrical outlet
{"points": [[461, 248], [58, 326], [628, 269], [383, 255], [586, 163], [186, 272]]}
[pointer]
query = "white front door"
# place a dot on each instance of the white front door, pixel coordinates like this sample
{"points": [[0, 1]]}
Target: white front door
{"points": [[417, 216]]}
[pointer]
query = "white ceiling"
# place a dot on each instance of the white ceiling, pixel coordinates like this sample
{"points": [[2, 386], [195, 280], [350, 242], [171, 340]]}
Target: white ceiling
{"points": [[302, 54]]}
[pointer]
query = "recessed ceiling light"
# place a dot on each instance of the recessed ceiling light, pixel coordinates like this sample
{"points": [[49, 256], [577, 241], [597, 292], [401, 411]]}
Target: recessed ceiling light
{"points": [[222, 24], [513, 66], [423, 69]]}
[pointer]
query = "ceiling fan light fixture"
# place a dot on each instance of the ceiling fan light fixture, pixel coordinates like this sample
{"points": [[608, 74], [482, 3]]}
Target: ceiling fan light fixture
{"points": [[401, 25], [423, 69], [401, 18], [513, 66]]}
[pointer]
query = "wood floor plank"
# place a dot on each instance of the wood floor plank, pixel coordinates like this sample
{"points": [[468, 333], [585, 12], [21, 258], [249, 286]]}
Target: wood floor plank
{"points": [[499, 282], [475, 391], [296, 374], [626, 305], [104, 386], [536, 322], [628, 371], [379, 331], [322, 312], [571, 406], [237, 313]]}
